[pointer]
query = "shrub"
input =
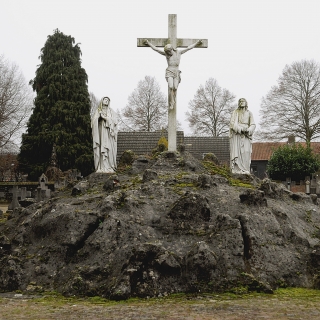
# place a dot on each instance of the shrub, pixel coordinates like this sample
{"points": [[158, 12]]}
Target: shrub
{"points": [[162, 144], [293, 161]]}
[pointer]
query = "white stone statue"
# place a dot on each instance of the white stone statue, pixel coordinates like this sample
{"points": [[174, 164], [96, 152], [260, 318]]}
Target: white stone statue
{"points": [[242, 127], [104, 125], [172, 72]]}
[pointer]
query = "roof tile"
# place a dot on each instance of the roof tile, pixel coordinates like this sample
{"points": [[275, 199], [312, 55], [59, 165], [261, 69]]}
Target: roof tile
{"points": [[264, 150]]}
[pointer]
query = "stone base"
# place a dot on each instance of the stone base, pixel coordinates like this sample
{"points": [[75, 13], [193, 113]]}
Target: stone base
{"points": [[107, 171], [99, 176]]}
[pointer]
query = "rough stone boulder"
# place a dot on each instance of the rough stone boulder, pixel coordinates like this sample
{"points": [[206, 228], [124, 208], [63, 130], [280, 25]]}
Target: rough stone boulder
{"points": [[165, 229], [140, 164], [192, 208], [5, 244], [300, 196], [80, 188], [112, 183], [170, 160], [205, 181], [212, 158], [247, 178], [272, 189], [149, 175], [126, 158], [253, 197], [314, 199], [202, 261]]}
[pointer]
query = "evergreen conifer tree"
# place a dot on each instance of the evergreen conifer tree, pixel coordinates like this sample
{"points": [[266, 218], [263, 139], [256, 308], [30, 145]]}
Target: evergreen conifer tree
{"points": [[61, 114]]}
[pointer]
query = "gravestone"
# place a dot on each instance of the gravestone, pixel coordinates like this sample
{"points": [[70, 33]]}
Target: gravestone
{"points": [[23, 193], [43, 191], [15, 194], [18, 194]]}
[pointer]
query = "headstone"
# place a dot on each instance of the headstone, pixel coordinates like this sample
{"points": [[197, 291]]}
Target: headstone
{"points": [[43, 180], [15, 194], [23, 193], [38, 194], [43, 194], [288, 183], [43, 191], [307, 186]]}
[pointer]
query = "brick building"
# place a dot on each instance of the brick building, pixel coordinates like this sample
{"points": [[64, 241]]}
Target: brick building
{"points": [[262, 152]]}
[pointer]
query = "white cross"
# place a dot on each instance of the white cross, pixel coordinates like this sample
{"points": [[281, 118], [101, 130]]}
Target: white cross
{"points": [[175, 42]]}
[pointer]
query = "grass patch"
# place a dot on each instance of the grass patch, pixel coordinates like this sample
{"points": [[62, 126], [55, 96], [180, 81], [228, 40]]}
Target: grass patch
{"points": [[214, 169], [304, 303], [225, 172], [4, 220], [300, 303], [297, 293], [238, 183], [180, 175], [281, 294]]}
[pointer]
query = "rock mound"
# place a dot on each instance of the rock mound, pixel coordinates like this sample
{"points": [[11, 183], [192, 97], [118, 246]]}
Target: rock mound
{"points": [[167, 226]]}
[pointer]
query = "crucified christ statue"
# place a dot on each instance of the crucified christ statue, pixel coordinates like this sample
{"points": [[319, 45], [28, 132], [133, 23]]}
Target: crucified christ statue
{"points": [[173, 57]]}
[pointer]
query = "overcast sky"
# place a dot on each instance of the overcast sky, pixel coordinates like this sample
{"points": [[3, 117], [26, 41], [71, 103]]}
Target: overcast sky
{"points": [[250, 42]]}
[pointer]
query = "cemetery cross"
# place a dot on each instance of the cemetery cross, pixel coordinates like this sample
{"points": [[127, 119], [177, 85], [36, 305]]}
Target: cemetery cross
{"points": [[175, 43]]}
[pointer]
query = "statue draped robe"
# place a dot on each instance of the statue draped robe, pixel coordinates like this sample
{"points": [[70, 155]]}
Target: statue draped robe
{"points": [[240, 142], [104, 134]]}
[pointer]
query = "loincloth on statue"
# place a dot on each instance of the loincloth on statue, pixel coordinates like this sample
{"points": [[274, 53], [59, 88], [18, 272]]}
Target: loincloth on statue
{"points": [[175, 74]]}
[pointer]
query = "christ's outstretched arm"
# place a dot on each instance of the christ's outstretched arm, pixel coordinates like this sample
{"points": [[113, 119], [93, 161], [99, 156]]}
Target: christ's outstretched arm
{"points": [[191, 46], [154, 47]]}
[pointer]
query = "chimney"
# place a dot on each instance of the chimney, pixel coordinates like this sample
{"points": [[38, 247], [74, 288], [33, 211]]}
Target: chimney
{"points": [[291, 139]]}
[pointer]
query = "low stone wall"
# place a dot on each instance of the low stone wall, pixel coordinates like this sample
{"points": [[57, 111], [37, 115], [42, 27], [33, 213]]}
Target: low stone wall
{"points": [[142, 142], [198, 146]]}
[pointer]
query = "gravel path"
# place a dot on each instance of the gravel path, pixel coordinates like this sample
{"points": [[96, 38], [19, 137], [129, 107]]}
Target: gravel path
{"points": [[210, 307]]}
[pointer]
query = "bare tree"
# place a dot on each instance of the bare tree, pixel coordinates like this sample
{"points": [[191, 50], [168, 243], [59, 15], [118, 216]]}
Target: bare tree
{"points": [[293, 106], [8, 167], [122, 123], [210, 109], [15, 104], [94, 102], [147, 107]]}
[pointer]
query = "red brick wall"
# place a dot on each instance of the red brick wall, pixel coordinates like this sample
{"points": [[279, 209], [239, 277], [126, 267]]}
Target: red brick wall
{"points": [[299, 188]]}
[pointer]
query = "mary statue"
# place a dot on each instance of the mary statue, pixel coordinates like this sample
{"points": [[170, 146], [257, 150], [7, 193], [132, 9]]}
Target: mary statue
{"points": [[104, 133]]}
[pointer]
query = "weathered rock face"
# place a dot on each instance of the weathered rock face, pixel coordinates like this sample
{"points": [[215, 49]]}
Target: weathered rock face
{"points": [[171, 227]]}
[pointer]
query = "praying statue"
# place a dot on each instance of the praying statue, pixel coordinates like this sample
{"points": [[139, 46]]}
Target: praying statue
{"points": [[104, 125], [172, 72], [242, 127]]}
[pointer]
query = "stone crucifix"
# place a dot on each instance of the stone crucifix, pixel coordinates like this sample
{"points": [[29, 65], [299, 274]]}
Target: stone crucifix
{"points": [[173, 56]]}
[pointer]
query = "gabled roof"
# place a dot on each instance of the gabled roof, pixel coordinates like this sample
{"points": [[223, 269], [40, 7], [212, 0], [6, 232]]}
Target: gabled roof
{"points": [[264, 150]]}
